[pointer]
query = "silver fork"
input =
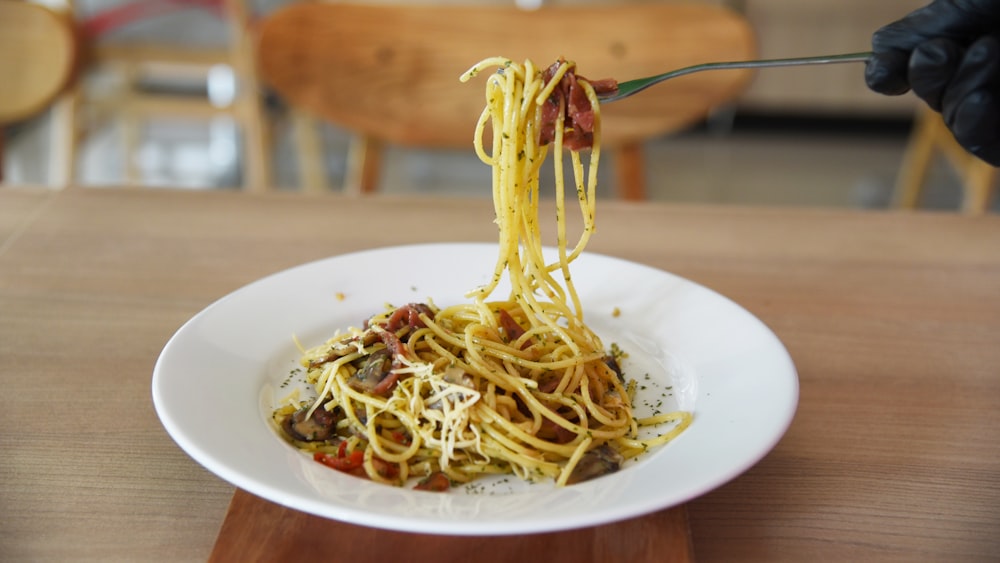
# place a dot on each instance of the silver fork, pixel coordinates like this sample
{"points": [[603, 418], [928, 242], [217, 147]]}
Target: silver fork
{"points": [[626, 89]]}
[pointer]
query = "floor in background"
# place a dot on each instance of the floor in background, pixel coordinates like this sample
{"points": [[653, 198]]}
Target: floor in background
{"points": [[749, 160]]}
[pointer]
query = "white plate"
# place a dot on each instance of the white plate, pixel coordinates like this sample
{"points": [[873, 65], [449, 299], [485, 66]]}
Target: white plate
{"points": [[215, 382]]}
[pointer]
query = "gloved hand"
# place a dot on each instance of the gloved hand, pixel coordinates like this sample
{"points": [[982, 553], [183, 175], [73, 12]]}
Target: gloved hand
{"points": [[948, 53]]}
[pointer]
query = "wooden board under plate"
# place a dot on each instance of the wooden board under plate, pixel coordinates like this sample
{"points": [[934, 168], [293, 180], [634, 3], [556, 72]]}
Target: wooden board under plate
{"points": [[258, 530]]}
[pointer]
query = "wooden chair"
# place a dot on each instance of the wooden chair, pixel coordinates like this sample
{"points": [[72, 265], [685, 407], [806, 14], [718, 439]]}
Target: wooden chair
{"points": [[38, 54], [131, 107], [929, 138], [390, 73]]}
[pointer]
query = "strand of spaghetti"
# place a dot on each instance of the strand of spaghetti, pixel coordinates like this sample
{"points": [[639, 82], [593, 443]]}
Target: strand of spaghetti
{"points": [[536, 265], [479, 468], [510, 134], [464, 313], [597, 411], [489, 371], [537, 311], [561, 192], [364, 399], [448, 356], [494, 99], [557, 77], [484, 118], [684, 419], [326, 379], [573, 460], [494, 88], [586, 195], [505, 405], [596, 432], [580, 189], [570, 381], [499, 433], [473, 346], [450, 449], [489, 341], [482, 65], [504, 442], [564, 258], [683, 416], [513, 147], [566, 400], [373, 471], [525, 466], [511, 431], [533, 156], [350, 413], [588, 202], [535, 404], [383, 450], [505, 158]]}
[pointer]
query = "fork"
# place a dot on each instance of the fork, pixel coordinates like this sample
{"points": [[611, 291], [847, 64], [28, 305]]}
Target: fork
{"points": [[626, 89]]}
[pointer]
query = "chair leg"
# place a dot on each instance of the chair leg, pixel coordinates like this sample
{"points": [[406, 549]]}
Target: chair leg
{"points": [[131, 138], [309, 150], [630, 172], [978, 178], [251, 112], [980, 182], [62, 156], [257, 161], [130, 124], [916, 161], [364, 163]]}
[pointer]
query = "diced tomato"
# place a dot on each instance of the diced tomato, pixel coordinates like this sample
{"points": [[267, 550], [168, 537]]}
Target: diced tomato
{"points": [[348, 463], [385, 469], [353, 462], [435, 482]]}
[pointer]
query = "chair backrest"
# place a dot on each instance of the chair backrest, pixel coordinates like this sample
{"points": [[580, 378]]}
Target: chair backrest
{"points": [[37, 58], [391, 71]]}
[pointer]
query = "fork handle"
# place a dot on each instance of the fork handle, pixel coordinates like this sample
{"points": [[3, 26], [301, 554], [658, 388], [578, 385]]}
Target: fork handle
{"points": [[630, 87]]}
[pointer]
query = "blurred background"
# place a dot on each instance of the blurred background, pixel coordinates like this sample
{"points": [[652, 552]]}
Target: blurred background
{"points": [[812, 136]]}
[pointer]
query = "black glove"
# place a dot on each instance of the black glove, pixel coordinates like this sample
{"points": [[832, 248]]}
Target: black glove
{"points": [[948, 53]]}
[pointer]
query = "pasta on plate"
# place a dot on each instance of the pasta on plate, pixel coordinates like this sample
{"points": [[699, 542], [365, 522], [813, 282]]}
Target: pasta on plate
{"points": [[514, 385]]}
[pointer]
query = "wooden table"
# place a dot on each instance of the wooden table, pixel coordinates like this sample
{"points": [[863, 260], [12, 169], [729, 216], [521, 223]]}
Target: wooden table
{"points": [[893, 320]]}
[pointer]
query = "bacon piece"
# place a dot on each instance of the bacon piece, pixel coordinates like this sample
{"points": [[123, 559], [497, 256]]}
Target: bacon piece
{"points": [[408, 316], [578, 127], [513, 330], [393, 343], [604, 86], [554, 433]]}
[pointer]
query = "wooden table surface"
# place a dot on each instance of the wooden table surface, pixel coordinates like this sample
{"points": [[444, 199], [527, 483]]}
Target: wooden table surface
{"points": [[893, 320]]}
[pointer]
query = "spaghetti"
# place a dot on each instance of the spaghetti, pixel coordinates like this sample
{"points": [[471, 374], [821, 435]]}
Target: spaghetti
{"points": [[491, 386]]}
